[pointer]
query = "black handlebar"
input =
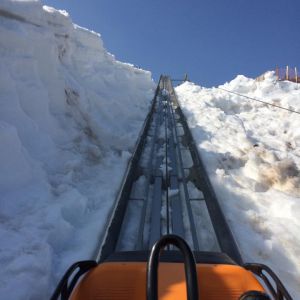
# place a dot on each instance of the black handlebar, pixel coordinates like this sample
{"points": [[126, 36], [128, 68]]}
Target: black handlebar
{"points": [[189, 266]]}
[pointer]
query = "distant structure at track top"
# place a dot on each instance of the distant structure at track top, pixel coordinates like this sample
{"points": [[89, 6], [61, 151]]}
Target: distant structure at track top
{"points": [[287, 73]]}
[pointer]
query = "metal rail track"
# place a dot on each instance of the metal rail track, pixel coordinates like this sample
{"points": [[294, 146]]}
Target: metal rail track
{"points": [[166, 189]]}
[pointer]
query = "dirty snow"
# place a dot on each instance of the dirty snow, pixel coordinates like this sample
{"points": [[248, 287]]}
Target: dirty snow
{"points": [[70, 116], [252, 154]]}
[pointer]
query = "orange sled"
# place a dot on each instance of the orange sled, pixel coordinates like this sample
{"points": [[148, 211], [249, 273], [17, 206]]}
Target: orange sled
{"points": [[139, 275]]}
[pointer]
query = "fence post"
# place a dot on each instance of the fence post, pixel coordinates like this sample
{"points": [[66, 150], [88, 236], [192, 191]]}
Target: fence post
{"points": [[296, 75], [287, 73], [277, 73]]}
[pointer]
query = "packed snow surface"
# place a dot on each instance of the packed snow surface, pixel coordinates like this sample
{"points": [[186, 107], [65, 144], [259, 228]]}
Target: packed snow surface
{"points": [[70, 116], [252, 154]]}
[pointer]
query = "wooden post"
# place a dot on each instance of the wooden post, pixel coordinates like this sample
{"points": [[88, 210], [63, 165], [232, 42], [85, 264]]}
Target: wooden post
{"points": [[287, 73], [296, 75]]}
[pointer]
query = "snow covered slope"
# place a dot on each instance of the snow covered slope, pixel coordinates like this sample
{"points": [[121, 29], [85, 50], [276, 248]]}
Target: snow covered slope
{"points": [[252, 154], [70, 115]]}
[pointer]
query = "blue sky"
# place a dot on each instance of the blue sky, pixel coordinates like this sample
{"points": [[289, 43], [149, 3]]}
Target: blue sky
{"points": [[211, 40]]}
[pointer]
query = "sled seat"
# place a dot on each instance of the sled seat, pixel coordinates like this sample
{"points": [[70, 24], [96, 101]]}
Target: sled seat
{"points": [[127, 280]]}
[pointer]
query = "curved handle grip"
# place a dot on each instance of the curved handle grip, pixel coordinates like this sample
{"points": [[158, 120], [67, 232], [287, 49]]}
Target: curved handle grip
{"points": [[189, 266]]}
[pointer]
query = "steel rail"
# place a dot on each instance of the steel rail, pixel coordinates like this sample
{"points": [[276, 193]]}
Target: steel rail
{"points": [[109, 239], [189, 209], [223, 233], [150, 173], [153, 199]]}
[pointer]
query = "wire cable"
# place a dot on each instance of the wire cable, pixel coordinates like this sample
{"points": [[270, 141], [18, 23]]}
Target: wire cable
{"points": [[261, 101]]}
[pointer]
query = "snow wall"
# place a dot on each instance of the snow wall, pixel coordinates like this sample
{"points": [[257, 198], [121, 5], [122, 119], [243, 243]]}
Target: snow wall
{"points": [[252, 154], [69, 119]]}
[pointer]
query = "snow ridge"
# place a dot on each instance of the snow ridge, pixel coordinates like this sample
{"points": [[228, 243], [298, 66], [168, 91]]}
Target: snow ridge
{"points": [[70, 115], [251, 152]]}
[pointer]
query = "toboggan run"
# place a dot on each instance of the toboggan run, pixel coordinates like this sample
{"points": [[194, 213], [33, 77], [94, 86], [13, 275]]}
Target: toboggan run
{"points": [[167, 237]]}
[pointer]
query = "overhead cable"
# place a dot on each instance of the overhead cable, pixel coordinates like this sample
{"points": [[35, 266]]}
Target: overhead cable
{"points": [[261, 101]]}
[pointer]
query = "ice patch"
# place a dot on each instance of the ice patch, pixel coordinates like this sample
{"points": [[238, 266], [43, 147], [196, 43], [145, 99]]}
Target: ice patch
{"points": [[172, 192]]}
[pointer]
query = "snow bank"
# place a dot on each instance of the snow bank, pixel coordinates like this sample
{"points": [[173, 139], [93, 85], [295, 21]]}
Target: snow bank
{"points": [[251, 152], [70, 115]]}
